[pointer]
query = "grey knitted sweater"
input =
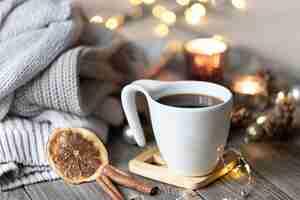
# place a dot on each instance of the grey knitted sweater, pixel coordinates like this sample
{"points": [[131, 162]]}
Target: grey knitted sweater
{"points": [[40, 87]]}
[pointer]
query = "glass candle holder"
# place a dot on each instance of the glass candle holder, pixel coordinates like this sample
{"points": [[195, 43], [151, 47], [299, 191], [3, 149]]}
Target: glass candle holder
{"points": [[251, 91], [205, 59]]}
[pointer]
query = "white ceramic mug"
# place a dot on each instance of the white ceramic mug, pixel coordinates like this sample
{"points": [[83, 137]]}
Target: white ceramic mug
{"points": [[188, 138]]}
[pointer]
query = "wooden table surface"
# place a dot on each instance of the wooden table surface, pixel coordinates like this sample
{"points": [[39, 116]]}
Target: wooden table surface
{"points": [[276, 170]]}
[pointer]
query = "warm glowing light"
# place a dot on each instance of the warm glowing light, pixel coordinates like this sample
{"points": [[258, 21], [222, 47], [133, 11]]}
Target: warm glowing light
{"points": [[252, 131], [207, 46], [206, 58], [218, 37], [194, 14], [168, 17], [237, 173], [136, 12], [296, 93], [239, 4], [158, 10], [149, 2], [203, 1], [280, 97], [135, 2], [161, 30], [113, 22], [175, 45], [251, 85], [97, 19], [183, 2], [260, 120], [198, 7]]}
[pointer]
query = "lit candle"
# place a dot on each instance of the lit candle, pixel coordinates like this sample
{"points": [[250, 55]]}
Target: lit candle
{"points": [[251, 91], [205, 59], [249, 85]]}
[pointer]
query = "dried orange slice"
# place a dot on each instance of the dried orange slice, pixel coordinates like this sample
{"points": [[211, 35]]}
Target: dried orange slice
{"points": [[76, 154]]}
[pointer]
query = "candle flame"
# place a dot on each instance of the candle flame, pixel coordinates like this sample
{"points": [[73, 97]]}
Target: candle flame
{"points": [[206, 46], [250, 85]]}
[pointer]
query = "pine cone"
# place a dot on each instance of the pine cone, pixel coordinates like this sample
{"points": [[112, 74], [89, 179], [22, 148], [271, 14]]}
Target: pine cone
{"points": [[240, 117], [279, 120]]}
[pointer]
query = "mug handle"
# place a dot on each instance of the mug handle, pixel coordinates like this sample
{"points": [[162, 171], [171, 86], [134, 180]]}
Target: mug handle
{"points": [[128, 98]]}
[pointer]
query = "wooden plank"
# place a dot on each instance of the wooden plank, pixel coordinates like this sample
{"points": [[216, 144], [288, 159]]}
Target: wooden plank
{"points": [[278, 163], [17, 194], [230, 188], [62, 191], [120, 154], [88, 191]]}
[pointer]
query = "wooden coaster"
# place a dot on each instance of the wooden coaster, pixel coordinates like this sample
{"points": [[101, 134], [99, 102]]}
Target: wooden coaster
{"points": [[149, 164]]}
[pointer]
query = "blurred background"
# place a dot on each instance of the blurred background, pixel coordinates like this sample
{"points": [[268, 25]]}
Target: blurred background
{"points": [[259, 33]]}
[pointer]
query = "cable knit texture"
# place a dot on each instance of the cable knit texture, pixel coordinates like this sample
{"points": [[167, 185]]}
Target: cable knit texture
{"points": [[40, 87]]}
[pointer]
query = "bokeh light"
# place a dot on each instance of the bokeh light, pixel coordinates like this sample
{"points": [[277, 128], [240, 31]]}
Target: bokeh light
{"points": [[135, 2], [183, 2], [261, 119], [203, 1], [161, 30], [113, 23], [194, 14], [239, 4], [168, 17], [158, 10], [97, 19], [149, 2]]}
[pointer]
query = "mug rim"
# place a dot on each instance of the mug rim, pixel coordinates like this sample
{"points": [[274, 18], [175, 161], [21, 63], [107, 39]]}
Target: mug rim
{"points": [[225, 100]]}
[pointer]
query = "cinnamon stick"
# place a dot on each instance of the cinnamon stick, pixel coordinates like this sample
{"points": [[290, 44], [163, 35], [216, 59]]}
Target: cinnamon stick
{"points": [[126, 180], [109, 188]]}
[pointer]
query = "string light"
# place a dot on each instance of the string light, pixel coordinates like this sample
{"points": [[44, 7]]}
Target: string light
{"points": [[135, 2], [158, 10], [239, 4], [97, 19], [183, 2], [136, 12], [280, 97], [199, 8], [149, 2], [113, 22], [194, 14], [203, 1], [161, 30], [168, 17], [260, 120]]}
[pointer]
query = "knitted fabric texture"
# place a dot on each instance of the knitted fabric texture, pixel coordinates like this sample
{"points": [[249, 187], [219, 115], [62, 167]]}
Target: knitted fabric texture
{"points": [[40, 87]]}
